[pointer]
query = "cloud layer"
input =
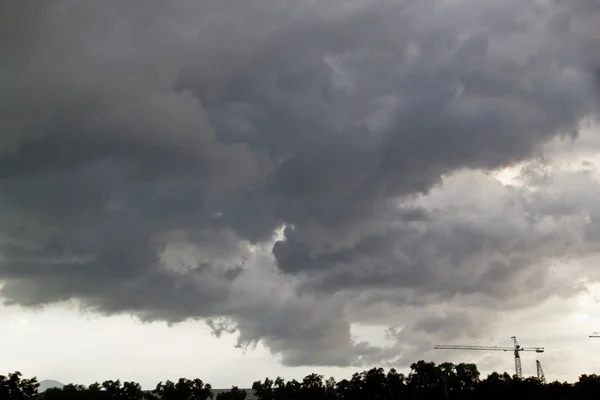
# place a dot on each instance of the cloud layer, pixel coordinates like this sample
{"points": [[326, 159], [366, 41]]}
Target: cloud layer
{"points": [[151, 153]]}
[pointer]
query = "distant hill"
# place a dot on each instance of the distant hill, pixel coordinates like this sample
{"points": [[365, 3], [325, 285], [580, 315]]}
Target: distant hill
{"points": [[49, 383]]}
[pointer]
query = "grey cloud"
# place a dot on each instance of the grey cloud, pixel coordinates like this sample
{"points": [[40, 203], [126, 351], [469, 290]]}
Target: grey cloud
{"points": [[485, 250], [475, 90], [424, 327], [448, 326], [146, 145], [496, 244]]}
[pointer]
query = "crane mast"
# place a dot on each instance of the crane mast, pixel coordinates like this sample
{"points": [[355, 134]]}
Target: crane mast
{"points": [[540, 371], [518, 369], [516, 349]]}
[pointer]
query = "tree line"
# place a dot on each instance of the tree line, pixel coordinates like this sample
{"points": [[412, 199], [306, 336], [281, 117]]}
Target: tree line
{"points": [[425, 381]]}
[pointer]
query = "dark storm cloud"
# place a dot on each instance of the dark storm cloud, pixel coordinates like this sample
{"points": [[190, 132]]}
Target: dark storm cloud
{"points": [[481, 237], [145, 145], [464, 250]]}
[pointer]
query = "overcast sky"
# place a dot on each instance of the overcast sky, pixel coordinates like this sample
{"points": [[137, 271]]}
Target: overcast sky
{"points": [[238, 189]]}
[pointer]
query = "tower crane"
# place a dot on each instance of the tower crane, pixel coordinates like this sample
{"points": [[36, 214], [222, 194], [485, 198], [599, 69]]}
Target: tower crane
{"points": [[516, 349], [595, 335], [540, 371]]}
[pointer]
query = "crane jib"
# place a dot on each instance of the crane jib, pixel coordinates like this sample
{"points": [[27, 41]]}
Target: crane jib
{"points": [[516, 349]]}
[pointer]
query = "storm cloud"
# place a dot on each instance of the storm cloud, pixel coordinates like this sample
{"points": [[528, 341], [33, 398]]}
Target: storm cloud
{"points": [[284, 170]]}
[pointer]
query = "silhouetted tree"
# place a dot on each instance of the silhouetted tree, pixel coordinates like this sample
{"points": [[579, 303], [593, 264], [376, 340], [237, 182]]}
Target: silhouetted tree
{"points": [[12, 387], [109, 390], [557, 391], [184, 389], [588, 387], [67, 392], [234, 394], [495, 386], [426, 380], [263, 390], [396, 384], [131, 391]]}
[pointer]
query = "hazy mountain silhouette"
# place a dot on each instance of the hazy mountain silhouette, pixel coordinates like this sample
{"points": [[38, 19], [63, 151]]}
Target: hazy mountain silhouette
{"points": [[49, 383]]}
